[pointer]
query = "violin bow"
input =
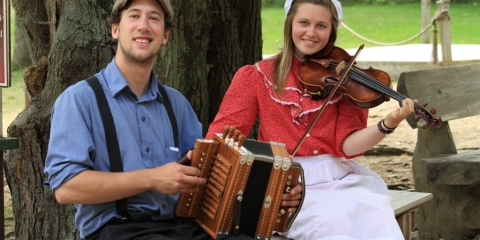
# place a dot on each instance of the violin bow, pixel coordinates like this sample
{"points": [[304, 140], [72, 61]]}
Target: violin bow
{"points": [[349, 66]]}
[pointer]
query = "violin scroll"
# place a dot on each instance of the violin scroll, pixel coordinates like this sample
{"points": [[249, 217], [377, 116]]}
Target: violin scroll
{"points": [[429, 117]]}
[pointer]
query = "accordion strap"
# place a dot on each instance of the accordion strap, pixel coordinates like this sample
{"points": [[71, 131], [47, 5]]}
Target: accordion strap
{"points": [[111, 133]]}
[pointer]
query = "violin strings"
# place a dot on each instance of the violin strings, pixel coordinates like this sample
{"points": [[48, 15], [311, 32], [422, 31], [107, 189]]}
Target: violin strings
{"points": [[374, 84]]}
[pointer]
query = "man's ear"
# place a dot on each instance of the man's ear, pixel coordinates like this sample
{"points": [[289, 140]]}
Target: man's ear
{"points": [[166, 35], [115, 31]]}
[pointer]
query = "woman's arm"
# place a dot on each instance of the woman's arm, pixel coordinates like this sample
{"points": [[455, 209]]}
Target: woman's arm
{"points": [[365, 139]]}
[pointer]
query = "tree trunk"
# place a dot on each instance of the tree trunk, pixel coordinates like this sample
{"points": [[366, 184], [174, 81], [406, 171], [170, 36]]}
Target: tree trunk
{"points": [[212, 40], [75, 39]]}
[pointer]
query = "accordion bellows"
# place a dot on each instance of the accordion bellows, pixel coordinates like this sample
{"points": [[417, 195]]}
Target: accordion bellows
{"points": [[245, 183]]}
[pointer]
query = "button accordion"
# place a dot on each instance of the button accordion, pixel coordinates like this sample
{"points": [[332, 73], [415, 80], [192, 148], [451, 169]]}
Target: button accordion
{"points": [[245, 183]]}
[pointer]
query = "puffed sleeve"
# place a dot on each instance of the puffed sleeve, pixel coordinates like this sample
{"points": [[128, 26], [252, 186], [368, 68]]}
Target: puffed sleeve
{"points": [[350, 119], [239, 106]]}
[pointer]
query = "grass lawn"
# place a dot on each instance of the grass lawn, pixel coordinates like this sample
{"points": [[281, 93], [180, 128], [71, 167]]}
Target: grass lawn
{"points": [[381, 23]]}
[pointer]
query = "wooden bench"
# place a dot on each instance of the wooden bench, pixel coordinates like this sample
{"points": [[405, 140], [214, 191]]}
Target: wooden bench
{"points": [[452, 177], [404, 205]]}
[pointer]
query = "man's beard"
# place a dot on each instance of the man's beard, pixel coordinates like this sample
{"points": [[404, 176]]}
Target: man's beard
{"points": [[136, 60]]}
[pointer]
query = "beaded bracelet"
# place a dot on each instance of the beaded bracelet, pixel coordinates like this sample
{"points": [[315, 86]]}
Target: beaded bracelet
{"points": [[389, 128], [380, 128]]}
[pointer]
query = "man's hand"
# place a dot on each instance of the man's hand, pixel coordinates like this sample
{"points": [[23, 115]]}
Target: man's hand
{"points": [[174, 178], [292, 199]]}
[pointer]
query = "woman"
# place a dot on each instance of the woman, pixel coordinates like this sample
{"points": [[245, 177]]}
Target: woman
{"points": [[343, 200]]}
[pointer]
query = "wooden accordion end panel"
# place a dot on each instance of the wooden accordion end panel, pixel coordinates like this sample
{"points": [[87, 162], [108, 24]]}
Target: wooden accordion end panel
{"points": [[245, 183]]}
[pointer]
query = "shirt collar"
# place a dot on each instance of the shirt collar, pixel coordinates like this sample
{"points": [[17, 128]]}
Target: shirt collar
{"points": [[116, 82]]}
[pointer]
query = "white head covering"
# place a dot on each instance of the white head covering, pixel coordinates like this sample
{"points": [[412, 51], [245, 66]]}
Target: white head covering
{"points": [[338, 6]]}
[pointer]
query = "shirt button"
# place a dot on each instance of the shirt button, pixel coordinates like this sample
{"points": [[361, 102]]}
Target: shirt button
{"points": [[315, 152], [164, 205], [308, 134], [147, 149], [143, 119]]}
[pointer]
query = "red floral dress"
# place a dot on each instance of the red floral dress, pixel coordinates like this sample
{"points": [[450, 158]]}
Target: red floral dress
{"points": [[251, 95]]}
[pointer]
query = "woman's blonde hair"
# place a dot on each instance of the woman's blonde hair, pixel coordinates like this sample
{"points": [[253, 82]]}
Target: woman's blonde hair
{"points": [[284, 60]]}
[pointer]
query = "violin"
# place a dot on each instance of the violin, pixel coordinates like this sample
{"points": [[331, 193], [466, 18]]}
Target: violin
{"points": [[319, 75]]}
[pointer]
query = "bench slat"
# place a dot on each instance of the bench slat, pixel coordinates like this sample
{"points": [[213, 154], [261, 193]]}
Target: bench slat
{"points": [[453, 91], [403, 201], [453, 169]]}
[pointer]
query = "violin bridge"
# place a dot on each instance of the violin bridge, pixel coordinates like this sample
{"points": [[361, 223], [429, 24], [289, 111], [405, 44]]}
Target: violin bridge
{"points": [[340, 67]]}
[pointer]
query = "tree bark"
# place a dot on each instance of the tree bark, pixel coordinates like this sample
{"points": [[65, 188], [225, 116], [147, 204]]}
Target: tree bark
{"points": [[212, 40], [75, 39]]}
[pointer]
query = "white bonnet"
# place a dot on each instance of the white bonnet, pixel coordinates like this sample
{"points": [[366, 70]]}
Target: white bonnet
{"points": [[288, 4]]}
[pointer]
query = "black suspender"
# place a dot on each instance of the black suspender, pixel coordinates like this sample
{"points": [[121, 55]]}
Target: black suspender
{"points": [[111, 133], [171, 114]]}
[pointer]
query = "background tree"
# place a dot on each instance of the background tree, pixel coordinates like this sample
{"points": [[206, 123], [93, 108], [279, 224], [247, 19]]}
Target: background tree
{"points": [[70, 40], [21, 55]]}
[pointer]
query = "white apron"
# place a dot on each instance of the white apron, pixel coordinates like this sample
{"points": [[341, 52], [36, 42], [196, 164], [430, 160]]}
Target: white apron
{"points": [[343, 201]]}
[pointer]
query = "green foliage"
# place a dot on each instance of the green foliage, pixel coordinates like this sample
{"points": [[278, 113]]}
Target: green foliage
{"points": [[273, 3], [15, 94]]}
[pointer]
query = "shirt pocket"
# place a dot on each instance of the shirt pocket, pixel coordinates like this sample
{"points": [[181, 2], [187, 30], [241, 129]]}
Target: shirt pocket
{"points": [[172, 154]]}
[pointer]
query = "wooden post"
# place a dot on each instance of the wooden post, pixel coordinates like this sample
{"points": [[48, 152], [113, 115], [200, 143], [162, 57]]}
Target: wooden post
{"points": [[425, 20], [445, 36]]}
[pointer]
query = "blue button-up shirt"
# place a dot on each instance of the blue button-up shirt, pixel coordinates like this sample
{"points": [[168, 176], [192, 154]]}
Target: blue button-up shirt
{"points": [[145, 136]]}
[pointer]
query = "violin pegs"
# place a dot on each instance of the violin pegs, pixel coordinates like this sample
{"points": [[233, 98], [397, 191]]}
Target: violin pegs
{"points": [[417, 118], [433, 111]]}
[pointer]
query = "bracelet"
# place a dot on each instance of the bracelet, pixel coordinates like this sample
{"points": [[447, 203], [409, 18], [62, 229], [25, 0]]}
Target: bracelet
{"points": [[380, 128], [389, 128]]}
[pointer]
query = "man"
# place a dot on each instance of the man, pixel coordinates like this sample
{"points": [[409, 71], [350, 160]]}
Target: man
{"points": [[77, 163]]}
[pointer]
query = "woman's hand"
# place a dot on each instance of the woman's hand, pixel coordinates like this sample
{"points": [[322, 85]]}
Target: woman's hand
{"points": [[292, 199], [394, 118]]}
